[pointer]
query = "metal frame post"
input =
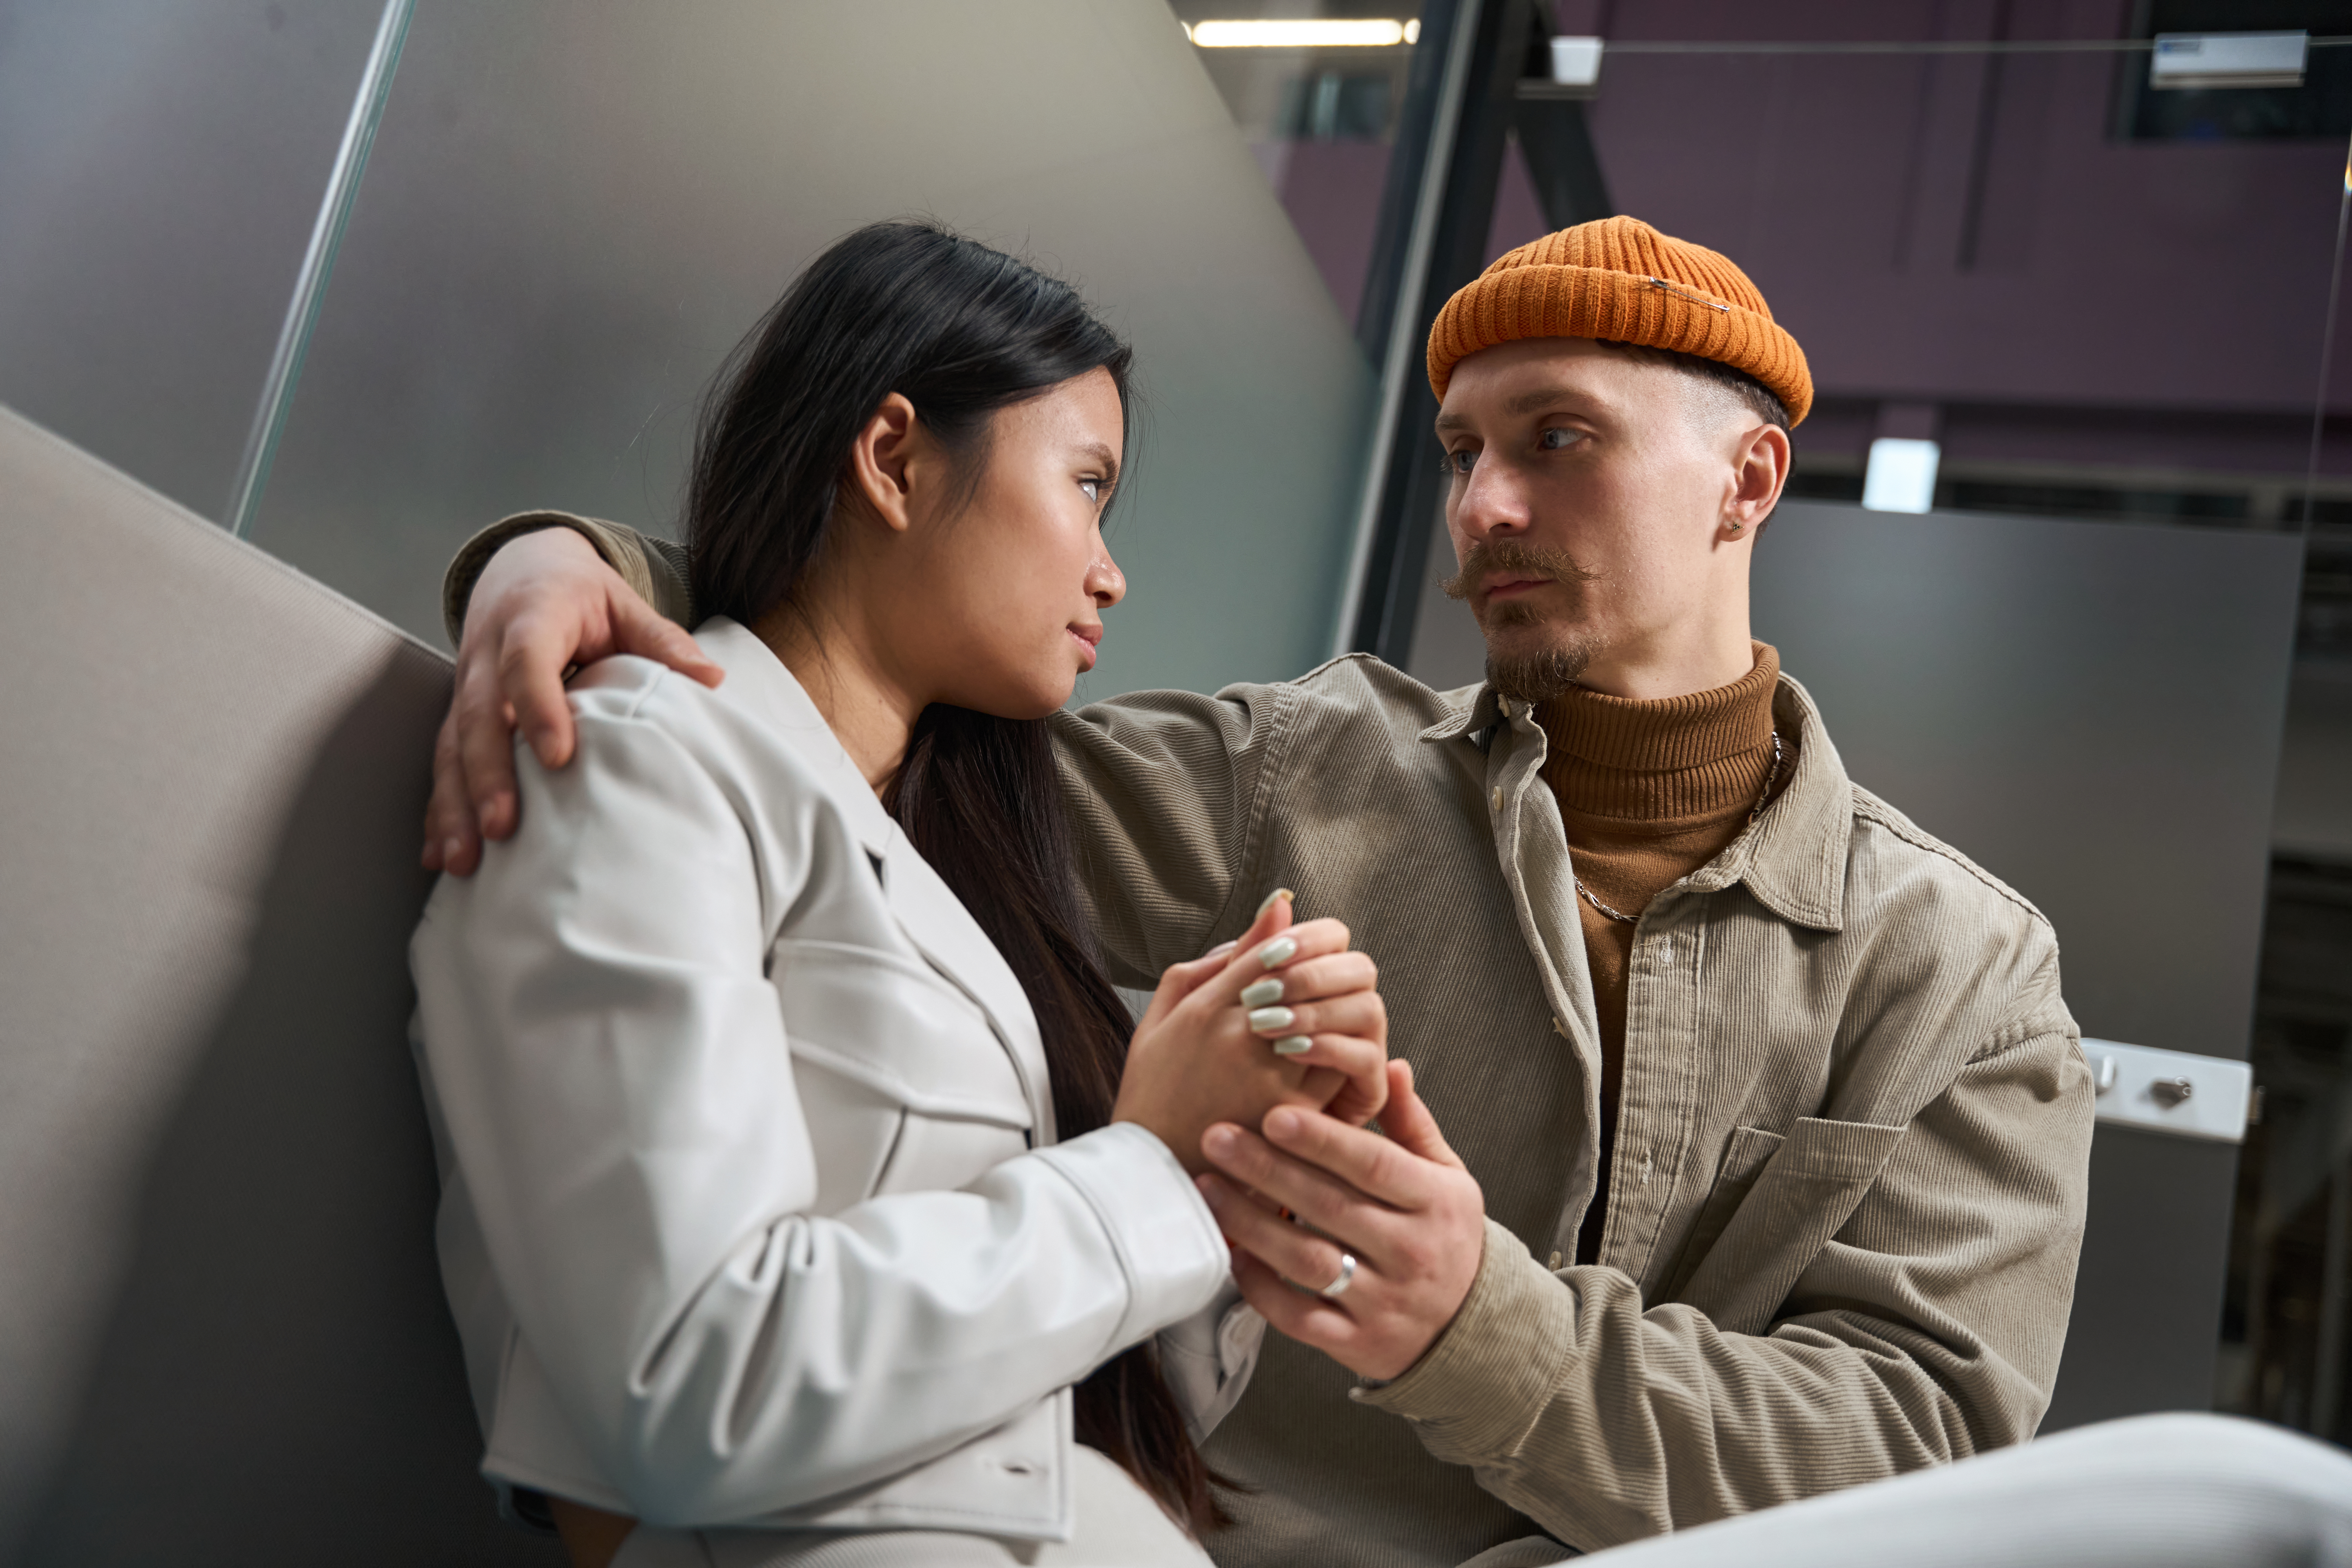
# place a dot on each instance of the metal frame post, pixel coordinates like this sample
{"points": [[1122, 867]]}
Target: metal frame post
{"points": [[317, 265], [1471, 93]]}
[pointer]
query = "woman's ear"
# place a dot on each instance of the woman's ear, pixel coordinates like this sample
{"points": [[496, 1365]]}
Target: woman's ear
{"points": [[890, 447]]}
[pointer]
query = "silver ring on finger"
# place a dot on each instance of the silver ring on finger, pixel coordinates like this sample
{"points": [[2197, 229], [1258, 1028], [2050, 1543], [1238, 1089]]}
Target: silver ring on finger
{"points": [[1338, 1288]]}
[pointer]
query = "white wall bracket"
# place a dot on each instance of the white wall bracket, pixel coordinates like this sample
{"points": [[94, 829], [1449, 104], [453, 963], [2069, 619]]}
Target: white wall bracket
{"points": [[2178, 1092]]}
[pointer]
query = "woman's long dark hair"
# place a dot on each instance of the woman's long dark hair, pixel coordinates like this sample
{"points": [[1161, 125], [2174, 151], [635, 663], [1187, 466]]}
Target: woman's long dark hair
{"points": [[961, 331]]}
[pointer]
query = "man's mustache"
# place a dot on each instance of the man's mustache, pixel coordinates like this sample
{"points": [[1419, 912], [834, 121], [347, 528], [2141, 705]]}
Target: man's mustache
{"points": [[1510, 555]]}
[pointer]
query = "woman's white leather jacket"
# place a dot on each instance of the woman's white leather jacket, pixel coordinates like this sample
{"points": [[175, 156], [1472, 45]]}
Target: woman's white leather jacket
{"points": [[752, 1207]]}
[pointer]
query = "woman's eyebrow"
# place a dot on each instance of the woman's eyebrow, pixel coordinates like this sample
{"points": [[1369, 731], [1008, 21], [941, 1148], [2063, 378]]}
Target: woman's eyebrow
{"points": [[1104, 455]]}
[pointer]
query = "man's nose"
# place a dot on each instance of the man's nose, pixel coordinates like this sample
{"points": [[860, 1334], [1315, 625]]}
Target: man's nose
{"points": [[1491, 502]]}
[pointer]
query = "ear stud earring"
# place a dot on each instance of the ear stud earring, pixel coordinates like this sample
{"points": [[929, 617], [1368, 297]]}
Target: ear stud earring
{"points": [[1735, 525]]}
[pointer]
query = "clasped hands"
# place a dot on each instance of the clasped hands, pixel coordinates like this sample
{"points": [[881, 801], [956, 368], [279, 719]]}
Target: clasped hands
{"points": [[1297, 1181], [1273, 1131]]}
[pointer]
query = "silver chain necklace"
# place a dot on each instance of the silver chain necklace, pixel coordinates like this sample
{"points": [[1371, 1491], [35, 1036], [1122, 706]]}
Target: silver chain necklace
{"points": [[1763, 799]]}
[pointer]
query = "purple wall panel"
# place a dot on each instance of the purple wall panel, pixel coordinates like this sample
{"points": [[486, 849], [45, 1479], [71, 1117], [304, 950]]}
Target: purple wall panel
{"points": [[2126, 438], [1960, 230], [1518, 213], [1332, 192]]}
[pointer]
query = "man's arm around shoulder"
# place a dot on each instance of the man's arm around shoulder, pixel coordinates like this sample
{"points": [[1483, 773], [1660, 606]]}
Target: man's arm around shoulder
{"points": [[526, 600]]}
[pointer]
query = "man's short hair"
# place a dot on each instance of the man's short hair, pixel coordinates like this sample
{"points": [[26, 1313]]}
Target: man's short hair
{"points": [[1753, 395]]}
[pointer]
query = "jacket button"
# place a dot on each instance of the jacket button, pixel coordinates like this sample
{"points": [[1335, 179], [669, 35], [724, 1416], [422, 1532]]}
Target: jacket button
{"points": [[1497, 798], [1555, 1262]]}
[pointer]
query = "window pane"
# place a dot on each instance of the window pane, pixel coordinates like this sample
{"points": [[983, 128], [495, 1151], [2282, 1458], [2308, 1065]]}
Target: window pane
{"points": [[1318, 97], [2105, 304], [161, 168], [570, 215]]}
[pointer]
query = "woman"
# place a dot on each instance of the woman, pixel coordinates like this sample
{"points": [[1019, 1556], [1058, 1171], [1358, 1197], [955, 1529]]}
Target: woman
{"points": [[797, 1158]]}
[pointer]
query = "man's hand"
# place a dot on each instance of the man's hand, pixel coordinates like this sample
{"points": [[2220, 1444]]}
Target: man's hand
{"points": [[1404, 1206], [545, 603]]}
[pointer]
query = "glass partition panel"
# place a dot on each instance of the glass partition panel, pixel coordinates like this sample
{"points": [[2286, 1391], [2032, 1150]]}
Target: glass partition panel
{"points": [[2092, 309], [1319, 98], [2085, 323], [571, 215], [161, 168], [1976, 253]]}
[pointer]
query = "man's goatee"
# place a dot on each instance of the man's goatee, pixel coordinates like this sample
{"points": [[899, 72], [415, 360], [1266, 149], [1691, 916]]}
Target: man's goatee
{"points": [[1542, 674]]}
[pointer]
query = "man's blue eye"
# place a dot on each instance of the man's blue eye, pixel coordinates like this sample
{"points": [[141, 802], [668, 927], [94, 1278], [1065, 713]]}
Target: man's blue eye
{"points": [[1460, 462], [1553, 439]]}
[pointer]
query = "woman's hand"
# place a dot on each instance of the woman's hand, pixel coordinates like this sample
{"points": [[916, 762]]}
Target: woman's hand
{"points": [[545, 602], [1288, 1016]]}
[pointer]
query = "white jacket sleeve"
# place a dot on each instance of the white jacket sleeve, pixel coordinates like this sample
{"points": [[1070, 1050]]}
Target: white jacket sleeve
{"points": [[1209, 1358], [619, 1092]]}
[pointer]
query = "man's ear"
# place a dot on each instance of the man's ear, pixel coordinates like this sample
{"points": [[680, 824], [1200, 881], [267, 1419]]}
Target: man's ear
{"points": [[887, 447], [1760, 469]]}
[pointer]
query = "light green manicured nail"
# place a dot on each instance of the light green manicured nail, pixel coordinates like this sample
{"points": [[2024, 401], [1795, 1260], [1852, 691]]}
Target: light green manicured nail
{"points": [[1271, 897], [1263, 992], [1293, 1046], [1270, 1020], [1280, 950]]}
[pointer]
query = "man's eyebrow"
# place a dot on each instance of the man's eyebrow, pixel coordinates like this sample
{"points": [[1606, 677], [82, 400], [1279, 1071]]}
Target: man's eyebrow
{"points": [[1524, 403], [1542, 397]]}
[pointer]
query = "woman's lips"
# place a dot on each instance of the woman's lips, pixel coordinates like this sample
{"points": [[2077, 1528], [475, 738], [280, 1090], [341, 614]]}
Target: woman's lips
{"points": [[1086, 638]]}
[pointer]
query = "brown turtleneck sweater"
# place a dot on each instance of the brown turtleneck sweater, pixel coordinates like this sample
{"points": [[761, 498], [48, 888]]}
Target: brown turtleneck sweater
{"points": [[1649, 792]]}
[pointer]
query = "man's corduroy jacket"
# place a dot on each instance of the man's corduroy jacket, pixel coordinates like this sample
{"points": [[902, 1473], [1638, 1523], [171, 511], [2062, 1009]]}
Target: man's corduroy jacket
{"points": [[1849, 1178]]}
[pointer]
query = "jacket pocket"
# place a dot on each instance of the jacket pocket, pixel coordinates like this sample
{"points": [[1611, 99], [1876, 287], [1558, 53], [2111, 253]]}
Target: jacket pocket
{"points": [[1808, 1185], [1751, 1148], [893, 1025]]}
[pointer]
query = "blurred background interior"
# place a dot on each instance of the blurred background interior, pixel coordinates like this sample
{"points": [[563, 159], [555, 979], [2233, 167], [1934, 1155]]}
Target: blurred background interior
{"points": [[2067, 556]]}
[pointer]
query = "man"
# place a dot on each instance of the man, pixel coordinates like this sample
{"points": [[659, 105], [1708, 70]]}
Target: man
{"points": [[1768, 1128]]}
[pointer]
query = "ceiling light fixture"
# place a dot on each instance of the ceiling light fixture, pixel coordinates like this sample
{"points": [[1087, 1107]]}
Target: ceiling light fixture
{"points": [[1307, 33]]}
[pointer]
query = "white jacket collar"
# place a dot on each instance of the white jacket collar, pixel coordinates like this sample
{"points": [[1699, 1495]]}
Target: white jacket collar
{"points": [[927, 910], [758, 679]]}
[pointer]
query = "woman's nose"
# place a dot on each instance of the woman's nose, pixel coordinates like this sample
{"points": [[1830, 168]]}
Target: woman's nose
{"points": [[1105, 580]]}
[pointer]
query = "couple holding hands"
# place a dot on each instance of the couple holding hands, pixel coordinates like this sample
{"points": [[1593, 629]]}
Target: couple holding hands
{"points": [[813, 1197]]}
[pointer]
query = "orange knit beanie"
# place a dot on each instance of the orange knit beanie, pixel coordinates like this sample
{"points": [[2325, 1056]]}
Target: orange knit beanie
{"points": [[1621, 280]]}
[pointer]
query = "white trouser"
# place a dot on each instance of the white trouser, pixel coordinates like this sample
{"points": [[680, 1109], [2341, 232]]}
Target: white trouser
{"points": [[2154, 1491], [1118, 1526]]}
